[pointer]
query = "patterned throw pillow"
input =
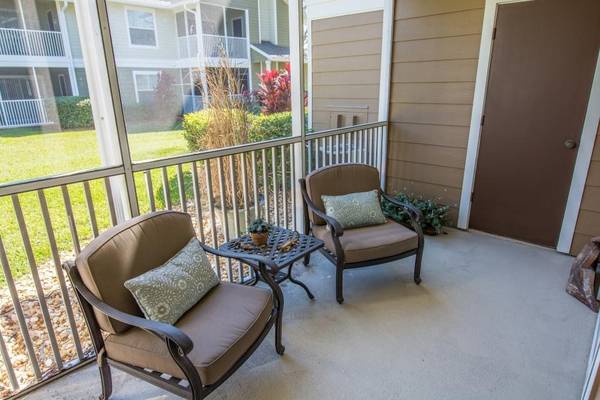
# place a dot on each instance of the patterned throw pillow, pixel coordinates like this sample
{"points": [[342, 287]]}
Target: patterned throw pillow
{"points": [[165, 293], [355, 209]]}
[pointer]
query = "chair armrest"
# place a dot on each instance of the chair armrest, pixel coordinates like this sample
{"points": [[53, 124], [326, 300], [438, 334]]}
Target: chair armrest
{"points": [[335, 226], [414, 213], [160, 329], [263, 262]]}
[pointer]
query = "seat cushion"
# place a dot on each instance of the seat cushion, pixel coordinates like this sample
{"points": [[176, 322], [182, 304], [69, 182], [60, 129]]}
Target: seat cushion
{"points": [[222, 326], [371, 242]]}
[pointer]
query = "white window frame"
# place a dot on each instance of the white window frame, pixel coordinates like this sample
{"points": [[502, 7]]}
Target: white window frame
{"points": [[135, 84], [144, 10]]}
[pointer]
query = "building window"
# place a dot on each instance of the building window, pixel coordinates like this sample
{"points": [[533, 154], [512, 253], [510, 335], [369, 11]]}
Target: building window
{"points": [[145, 83], [142, 28], [181, 23]]}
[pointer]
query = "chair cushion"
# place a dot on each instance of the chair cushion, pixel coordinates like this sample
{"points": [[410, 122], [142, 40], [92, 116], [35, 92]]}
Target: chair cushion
{"points": [[355, 210], [336, 180], [165, 293], [222, 326], [128, 250], [371, 242]]}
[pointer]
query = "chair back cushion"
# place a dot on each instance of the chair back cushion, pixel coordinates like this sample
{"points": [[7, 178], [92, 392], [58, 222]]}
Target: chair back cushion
{"points": [[337, 180], [126, 251]]}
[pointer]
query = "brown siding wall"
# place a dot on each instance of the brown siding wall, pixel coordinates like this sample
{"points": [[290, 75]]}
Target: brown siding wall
{"points": [[588, 222], [346, 59], [435, 52]]}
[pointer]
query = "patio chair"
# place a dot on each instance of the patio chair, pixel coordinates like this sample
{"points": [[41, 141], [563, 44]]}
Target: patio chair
{"points": [[359, 247], [210, 341]]}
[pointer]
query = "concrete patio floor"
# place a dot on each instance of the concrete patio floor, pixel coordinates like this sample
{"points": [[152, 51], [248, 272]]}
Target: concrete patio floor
{"points": [[491, 320]]}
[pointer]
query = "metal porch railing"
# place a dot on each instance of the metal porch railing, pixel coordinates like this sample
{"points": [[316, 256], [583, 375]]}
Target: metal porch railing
{"points": [[27, 42], [42, 331]]}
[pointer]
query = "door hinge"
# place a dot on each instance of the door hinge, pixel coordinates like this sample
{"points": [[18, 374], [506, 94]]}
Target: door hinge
{"points": [[482, 119], [494, 34]]}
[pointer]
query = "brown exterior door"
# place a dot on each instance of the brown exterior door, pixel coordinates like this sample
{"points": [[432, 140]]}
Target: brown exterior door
{"points": [[543, 59]]}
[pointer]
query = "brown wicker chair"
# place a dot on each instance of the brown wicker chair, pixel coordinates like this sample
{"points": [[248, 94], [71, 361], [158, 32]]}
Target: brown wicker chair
{"points": [[208, 344], [360, 247]]}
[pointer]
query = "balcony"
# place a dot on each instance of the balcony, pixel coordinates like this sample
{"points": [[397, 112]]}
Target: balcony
{"points": [[215, 46], [25, 42]]}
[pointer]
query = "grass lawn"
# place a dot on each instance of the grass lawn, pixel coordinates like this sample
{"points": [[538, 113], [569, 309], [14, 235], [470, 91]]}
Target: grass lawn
{"points": [[29, 153]]}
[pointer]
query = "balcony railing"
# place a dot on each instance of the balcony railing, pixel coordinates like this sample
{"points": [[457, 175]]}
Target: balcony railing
{"points": [[223, 190], [22, 42], [19, 113], [215, 46]]}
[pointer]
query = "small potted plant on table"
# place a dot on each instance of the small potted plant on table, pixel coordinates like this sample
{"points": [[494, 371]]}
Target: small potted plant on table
{"points": [[259, 232]]}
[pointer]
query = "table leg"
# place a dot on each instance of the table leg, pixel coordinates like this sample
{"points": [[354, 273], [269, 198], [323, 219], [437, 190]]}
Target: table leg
{"points": [[278, 297], [299, 283]]}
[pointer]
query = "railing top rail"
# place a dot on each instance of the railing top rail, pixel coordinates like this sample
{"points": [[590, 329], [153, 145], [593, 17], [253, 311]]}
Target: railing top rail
{"points": [[339, 131], [212, 35], [21, 100], [17, 187], [80, 176], [209, 154], [30, 30]]}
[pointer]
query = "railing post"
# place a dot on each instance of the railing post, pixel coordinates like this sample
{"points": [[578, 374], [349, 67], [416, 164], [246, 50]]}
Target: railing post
{"points": [[297, 75]]}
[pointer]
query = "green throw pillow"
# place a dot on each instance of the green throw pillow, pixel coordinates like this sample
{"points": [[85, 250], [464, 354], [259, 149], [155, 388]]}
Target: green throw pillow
{"points": [[355, 209], [165, 293]]}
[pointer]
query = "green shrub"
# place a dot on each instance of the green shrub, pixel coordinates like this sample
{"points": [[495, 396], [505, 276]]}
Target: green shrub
{"points": [[435, 216], [74, 112], [196, 126], [272, 126]]}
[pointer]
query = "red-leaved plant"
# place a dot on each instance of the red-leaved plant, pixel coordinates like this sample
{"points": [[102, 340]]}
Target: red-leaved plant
{"points": [[274, 90]]}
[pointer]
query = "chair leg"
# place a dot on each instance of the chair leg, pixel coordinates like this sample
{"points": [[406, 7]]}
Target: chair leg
{"points": [[339, 283], [418, 258], [105, 375]]}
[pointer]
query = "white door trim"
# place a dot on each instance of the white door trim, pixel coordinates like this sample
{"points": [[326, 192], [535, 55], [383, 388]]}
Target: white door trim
{"points": [[585, 148], [582, 165]]}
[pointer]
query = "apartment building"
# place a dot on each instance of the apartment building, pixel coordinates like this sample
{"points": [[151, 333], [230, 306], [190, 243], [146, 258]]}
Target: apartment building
{"points": [[41, 54]]}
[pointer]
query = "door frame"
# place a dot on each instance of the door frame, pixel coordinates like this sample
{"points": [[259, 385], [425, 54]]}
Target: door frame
{"points": [[584, 150]]}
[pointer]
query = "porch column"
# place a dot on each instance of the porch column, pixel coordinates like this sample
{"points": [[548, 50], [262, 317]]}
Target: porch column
{"points": [[385, 82], [62, 23], [201, 55], [102, 104], [297, 65]]}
